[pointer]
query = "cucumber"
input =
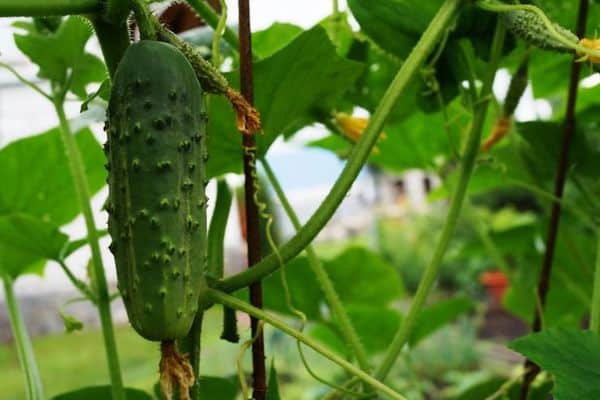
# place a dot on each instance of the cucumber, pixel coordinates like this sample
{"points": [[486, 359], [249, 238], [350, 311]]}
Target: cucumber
{"points": [[530, 27], [157, 206]]}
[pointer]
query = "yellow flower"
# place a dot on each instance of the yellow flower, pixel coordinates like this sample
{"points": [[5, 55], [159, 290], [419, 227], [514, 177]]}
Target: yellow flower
{"points": [[353, 127], [592, 44]]}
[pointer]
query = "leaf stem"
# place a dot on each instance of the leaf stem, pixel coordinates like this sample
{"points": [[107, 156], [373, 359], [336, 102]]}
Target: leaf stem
{"points": [[102, 296], [25, 81], [41, 8], [78, 283], [466, 169], [333, 300], [240, 305], [212, 19], [24, 347], [358, 156]]}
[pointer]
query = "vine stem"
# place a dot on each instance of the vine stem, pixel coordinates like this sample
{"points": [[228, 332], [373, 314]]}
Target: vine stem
{"points": [[41, 8], [358, 156], [595, 313], [24, 348], [102, 295], [209, 16], [466, 169], [559, 185], [333, 300], [230, 301]]}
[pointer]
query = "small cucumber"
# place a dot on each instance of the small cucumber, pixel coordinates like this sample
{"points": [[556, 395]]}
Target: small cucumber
{"points": [[157, 206], [530, 27]]}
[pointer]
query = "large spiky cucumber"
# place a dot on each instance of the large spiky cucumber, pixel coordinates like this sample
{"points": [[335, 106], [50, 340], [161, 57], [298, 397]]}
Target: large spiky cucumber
{"points": [[157, 205]]}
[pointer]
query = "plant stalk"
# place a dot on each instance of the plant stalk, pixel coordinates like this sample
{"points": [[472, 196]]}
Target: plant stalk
{"points": [[230, 301], [333, 300], [466, 169], [102, 295], [559, 185], [24, 348], [42, 8], [358, 156]]}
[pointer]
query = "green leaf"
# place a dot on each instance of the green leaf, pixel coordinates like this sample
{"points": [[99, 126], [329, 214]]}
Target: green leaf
{"points": [[71, 323], [31, 235], [437, 315], [395, 25], [37, 180], [361, 276], [572, 356], [304, 74], [62, 53], [375, 326], [101, 393], [26, 242], [75, 245], [273, 386], [306, 294], [267, 42]]}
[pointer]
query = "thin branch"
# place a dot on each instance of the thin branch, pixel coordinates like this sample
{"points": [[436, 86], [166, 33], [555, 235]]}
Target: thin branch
{"points": [[25, 81]]}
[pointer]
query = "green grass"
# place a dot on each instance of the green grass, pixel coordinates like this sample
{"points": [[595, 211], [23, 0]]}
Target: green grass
{"points": [[70, 361]]}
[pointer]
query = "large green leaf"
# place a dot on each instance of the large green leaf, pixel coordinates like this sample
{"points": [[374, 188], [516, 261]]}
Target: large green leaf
{"points": [[101, 393], [375, 327], [37, 180], [305, 73], [267, 42], [61, 54], [395, 25], [363, 277], [571, 355], [437, 315], [359, 276], [29, 240]]}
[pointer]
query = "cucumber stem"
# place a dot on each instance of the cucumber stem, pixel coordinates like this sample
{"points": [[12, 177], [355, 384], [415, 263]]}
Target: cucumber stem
{"points": [[24, 347], [102, 296]]}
